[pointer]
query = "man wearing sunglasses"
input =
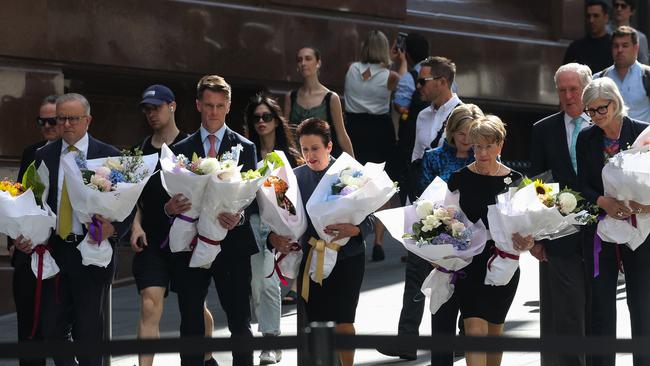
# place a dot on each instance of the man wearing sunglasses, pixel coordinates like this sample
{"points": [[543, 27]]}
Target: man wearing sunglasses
{"points": [[623, 12], [24, 282], [631, 77]]}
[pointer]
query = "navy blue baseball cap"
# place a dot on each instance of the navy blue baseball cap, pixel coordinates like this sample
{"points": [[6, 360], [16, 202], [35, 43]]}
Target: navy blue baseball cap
{"points": [[157, 94]]}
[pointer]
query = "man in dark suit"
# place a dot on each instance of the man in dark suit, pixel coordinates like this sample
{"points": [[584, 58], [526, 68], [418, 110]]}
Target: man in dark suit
{"points": [[24, 281], [231, 269], [72, 303], [562, 278]]}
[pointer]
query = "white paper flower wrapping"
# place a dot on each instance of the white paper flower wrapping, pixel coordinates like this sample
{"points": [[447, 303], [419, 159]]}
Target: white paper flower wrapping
{"points": [[626, 177], [643, 139], [350, 209], [399, 221], [221, 195], [281, 221], [115, 205], [180, 180], [22, 216]]}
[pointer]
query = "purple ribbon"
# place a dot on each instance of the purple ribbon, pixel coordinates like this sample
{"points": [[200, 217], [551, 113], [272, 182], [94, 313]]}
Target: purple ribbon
{"points": [[95, 230], [598, 247], [455, 275], [165, 242]]}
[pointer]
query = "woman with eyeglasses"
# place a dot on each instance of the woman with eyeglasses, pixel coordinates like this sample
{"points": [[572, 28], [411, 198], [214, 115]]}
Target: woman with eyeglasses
{"points": [[314, 100], [612, 131], [482, 307], [269, 131]]}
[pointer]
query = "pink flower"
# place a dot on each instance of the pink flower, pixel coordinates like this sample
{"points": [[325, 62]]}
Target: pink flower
{"points": [[103, 172]]}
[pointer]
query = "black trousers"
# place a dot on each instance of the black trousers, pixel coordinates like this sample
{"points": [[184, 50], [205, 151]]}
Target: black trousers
{"points": [[232, 280], [24, 285], [562, 303], [444, 322], [417, 269], [601, 310], [72, 305]]}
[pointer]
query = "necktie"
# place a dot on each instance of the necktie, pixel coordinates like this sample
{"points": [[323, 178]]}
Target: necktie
{"points": [[577, 123], [65, 209], [212, 153]]}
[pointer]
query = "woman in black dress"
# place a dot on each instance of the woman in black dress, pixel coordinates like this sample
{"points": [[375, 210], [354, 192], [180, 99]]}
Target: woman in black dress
{"points": [[484, 307], [336, 300]]}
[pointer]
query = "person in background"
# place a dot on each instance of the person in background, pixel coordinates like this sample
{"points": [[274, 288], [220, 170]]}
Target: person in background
{"points": [[594, 50], [314, 100], [368, 87], [23, 281], [623, 12], [269, 131], [152, 267]]}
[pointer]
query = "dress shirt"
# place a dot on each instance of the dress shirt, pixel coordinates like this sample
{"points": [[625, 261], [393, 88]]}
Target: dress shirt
{"points": [[82, 146], [406, 88], [429, 121], [206, 142], [633, 91], [586, 122]]}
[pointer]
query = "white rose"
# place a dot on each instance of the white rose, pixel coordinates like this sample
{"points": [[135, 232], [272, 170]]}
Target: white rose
{"points": [[423, 209], [427, 228], [209, 165], [432, 221], [347, 172], [114, 164], [348, 180], [567, 202], [457, 228], [441, 214]]}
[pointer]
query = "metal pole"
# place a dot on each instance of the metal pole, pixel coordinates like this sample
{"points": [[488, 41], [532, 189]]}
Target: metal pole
{"points": [[321, 347]]}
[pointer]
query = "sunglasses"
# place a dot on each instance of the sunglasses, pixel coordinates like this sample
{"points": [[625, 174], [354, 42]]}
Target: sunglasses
{"points": [[422, 81], [600, 110], [46, 121], [265, 117]]}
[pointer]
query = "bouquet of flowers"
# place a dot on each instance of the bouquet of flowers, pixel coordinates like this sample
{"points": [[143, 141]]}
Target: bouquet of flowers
{"points": [[372, 189], [533, 208], [189, 178], [626, 177], [109, 187], [227, 190], [435, 229], [643, 139], [282, 210], [24, 211]]}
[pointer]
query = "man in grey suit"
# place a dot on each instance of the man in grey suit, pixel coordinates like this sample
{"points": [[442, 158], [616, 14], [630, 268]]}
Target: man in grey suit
{"points": [[562, 276]]}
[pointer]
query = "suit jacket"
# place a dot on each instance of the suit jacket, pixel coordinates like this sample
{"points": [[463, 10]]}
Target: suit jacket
{"points": [[240, 242], [589, 152], [51, 156], [549, 151]]}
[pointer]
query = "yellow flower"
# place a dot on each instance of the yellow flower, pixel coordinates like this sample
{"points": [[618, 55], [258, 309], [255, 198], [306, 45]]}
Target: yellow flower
{"points": [[541, 188]]}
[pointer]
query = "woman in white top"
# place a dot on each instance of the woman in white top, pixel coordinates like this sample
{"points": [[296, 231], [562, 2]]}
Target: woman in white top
{"points": [[368, 87]]}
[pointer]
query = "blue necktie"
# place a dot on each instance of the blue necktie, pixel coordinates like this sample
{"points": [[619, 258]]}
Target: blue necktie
{"points": [[577, 123]]}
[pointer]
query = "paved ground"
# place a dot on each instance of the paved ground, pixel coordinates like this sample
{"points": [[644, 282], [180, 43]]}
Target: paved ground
{"points": [[378, 313]]}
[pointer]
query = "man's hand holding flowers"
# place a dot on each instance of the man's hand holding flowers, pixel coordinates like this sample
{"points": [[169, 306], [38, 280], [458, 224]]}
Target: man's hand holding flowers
{"points": [[229, 220], [107, 229]]}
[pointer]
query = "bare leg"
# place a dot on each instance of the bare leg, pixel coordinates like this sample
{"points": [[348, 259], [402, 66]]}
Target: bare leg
{"points": [[151, 307], [494, 359], [209, 326], [476, 327], [346, 357]]}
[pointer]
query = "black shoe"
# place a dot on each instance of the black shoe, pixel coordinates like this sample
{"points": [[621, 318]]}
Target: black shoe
{"points": [[410, 356], [210, 362], [378, 253]]}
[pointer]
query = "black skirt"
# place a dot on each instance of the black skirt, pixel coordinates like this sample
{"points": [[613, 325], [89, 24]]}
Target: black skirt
{"points": [[373, 138]]}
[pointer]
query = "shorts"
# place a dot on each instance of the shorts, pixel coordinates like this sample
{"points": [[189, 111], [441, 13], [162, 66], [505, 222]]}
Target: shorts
{"points": [[152, 268]]}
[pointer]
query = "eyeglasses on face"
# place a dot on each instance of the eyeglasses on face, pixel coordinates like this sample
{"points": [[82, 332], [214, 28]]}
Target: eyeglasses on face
{"points": [[72, 119], [422, 81], [265, 117], [46, 121], [600, 110]]}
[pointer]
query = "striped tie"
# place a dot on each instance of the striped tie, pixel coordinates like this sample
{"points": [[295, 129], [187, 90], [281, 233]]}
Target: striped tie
{"points": [[65, 209]]}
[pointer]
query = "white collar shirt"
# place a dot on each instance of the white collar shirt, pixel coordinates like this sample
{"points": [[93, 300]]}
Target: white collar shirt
{"points": [[428, 124]]}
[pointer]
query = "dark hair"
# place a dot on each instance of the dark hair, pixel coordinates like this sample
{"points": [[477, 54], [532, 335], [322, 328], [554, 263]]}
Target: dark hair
{"points": [[283, 137], [214, 83], [50, 99], [441, 66], [601, 3], [417, 47], [624, 31], [315, 126], [631, 4], [316, 51]]}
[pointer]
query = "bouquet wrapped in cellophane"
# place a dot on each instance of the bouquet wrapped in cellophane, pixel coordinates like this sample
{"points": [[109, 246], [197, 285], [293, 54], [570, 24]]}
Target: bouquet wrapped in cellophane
{"points": [[435, 229]]}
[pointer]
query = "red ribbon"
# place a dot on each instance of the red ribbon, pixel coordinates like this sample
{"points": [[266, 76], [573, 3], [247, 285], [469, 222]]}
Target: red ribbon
{"points": [[40, 251], [500, 253], [633, 220], [276, 261]]}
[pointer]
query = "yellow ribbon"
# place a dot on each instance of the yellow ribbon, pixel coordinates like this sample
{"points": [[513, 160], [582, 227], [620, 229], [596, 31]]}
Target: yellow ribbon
{"points": [[319, 246]]}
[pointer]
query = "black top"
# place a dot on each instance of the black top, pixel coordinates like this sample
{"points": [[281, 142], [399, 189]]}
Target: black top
{"points": [[593, 52], [152, 201]]}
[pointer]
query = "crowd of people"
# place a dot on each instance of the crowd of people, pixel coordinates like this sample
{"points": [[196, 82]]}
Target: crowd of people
{"points": [[603, 94]]}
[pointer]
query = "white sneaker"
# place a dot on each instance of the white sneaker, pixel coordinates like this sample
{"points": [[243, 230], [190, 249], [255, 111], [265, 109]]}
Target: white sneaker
{"points": [[270, 357]]}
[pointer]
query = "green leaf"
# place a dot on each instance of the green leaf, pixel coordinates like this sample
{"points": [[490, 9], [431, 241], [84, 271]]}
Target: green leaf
{"points": [[271, 158], [32, 181], [195, 158]]}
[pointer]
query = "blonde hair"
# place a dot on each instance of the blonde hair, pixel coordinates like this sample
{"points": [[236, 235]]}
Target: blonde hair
{"points": [[488, 128], [460, 117], [214, 83], [374, 49]]}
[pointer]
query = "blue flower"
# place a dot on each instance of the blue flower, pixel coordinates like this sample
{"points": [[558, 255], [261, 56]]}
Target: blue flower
{"points": [[117, 177]]}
